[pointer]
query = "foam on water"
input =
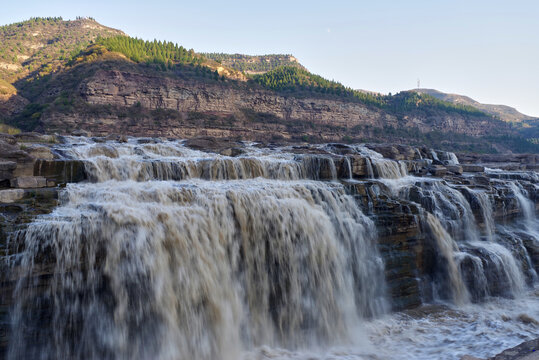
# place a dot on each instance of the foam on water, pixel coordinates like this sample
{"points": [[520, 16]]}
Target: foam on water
{"points": [[174, 253]]}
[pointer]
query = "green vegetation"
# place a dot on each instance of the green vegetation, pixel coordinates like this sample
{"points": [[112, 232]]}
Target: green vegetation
{"points": [[291, 79], [140, 51], [515, 143], [410, 100], [299, 81], [6, 88], [28, 119], [6, 129]]}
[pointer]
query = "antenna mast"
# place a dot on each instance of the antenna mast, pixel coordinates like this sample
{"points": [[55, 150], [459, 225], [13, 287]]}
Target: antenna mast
{"points": [[418, 84]]}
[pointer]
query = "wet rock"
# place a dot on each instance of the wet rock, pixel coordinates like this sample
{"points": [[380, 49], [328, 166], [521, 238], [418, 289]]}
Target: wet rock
{"points": [[210, 144], [400, 241], [527, 319], [28, 182], [528, 350], [359, 167], [12, 153], [24, 168], [481, 180], [6, 169], [111, 137], [39, 151], [419, 167], [10, 139], [235, 151], [472, 168], [148, 140], [394, 152], [437, 170], [320, 167], [80, 132], [61, 171], [104, 150], [532, 246], [11, 195], [455, 169]]}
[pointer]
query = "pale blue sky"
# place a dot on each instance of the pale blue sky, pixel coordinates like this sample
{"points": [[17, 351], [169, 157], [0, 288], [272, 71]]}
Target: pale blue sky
{"points": [[488, 50]]}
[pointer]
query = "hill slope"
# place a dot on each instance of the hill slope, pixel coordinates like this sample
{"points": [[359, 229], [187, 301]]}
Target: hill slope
{"points": [[504, 112], [41, 45], [97, 80]]}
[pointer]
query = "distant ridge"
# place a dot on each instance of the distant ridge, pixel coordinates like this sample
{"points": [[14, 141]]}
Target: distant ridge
{"points": [[504, 112], [254, 64]]}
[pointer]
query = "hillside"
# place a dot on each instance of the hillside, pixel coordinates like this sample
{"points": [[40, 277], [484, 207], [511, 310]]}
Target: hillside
{"points": [[42, 45], [526, 126], [504, 112], [98, 81]]}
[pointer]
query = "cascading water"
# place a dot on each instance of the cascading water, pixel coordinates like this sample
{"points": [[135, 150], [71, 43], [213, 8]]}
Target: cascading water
{"points": [[173, 253], [449, 250], [487, 266], [196, 269]]}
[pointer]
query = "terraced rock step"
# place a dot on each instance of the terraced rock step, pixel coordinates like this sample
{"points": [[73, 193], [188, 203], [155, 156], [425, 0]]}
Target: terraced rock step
{"points": [[440, 230]]}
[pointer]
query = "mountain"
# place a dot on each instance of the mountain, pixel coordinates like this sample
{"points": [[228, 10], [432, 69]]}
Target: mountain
{"points": [[504, 112], [40, 45], [80, 76]]}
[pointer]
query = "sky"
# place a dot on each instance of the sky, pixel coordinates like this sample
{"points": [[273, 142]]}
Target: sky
{"points": [[488, 50]]}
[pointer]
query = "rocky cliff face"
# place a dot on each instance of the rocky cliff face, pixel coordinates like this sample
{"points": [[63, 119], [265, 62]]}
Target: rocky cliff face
{"points": [[272, 114]]}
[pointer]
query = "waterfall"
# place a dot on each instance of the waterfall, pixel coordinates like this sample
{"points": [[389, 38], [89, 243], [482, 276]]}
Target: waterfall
{"points": [[166, 252], [195, 268], [486, 210], [525, 204], [448, 158], [449, 250], [473, 268], [380, 167], [389, 169]]}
